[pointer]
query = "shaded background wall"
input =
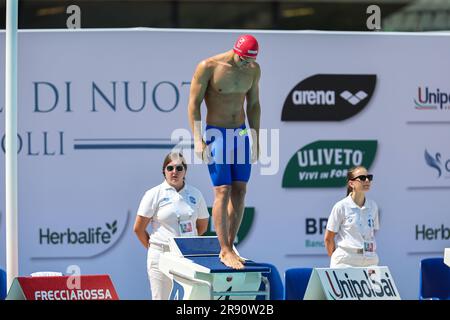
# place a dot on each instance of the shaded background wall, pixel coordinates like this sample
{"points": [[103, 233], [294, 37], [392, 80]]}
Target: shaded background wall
{"points": [[345, 15], [99, 109], [266, 15]]}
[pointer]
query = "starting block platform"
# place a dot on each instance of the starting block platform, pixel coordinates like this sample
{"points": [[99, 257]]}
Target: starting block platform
{"points": [[197, 273], [447, 256]]}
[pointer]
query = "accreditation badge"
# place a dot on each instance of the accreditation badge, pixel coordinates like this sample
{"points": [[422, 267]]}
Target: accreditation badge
{"points": [[369, 248], [186, 228]]}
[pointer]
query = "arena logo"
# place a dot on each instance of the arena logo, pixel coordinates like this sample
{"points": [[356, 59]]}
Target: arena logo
{"points": [[369, 286], [324, 164], [328, 97], [438, 163], [428, 99]]}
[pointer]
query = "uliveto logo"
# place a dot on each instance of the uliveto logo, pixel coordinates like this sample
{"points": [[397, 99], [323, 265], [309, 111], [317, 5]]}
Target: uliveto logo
{"points": [[428, 99], [328, 97], [89, 236], [324, 164]]}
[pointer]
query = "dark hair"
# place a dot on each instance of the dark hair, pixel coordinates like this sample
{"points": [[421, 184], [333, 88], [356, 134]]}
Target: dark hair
{"points": [[351, 175], [173, 156]]}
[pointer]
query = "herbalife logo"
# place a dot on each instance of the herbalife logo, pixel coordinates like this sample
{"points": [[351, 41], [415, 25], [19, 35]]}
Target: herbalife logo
{"points": [[427, 233], [89, 236], [431, 99], [324, 164], [435, 161], [328, 97]]}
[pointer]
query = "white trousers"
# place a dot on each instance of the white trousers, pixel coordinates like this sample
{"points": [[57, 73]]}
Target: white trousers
{"points": [[160, 284], [342, 258]]}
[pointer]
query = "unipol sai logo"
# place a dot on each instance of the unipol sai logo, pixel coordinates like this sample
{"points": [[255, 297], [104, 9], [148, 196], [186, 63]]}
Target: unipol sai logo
{"points": [[324, 164], [329, 97], [361, 284], [432, 99]]}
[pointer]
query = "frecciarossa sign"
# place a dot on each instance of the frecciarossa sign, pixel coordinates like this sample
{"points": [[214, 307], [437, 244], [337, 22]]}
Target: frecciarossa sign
{"points": [[85, 287]]}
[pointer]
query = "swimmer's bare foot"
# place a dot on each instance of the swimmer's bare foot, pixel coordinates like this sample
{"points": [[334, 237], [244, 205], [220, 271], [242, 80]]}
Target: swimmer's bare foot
{"points": [[241, 259], [231, 259]]}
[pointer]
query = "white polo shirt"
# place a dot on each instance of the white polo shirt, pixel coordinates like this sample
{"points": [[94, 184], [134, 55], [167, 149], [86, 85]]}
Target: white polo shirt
{"points": [[352, 224], [165, 206]]}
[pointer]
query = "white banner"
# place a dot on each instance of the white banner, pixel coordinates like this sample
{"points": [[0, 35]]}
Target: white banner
{"points": [[97, 110], [372, 283]]}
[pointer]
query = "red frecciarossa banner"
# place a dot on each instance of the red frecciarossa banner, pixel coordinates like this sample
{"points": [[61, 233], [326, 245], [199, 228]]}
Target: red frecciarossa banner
{"points": [[86, 287]]}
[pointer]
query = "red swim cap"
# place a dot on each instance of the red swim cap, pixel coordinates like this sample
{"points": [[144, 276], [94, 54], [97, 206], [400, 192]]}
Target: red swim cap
{"points": [[246, 46]]}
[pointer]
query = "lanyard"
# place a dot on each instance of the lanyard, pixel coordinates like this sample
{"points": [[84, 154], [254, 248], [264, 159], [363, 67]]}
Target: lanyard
{"points": [[186, 227], [367, 227], [177, 205]]}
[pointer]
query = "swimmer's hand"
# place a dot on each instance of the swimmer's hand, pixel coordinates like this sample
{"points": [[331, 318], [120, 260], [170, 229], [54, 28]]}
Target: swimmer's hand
{"points": [[255, 153], [203, 152]]}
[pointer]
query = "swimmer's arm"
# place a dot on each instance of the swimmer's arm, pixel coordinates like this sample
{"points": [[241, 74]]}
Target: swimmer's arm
{"points": [[253, 107], [199, 83]]}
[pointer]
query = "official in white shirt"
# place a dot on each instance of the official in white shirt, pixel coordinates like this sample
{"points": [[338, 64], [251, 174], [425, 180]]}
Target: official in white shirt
{"points": [[350, 232], [174, 209]]}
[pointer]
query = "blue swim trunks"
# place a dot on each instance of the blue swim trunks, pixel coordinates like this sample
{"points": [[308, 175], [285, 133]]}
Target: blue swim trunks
{"points": [[230, 152]]}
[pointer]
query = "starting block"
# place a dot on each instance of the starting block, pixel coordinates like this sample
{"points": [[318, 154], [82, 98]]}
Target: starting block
{"points": [[447, 256], [197, 273]]}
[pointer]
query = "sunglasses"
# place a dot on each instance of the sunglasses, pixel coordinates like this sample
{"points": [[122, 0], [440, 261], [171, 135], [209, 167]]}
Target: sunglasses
{"points": [[363, 177], [179, 168]]}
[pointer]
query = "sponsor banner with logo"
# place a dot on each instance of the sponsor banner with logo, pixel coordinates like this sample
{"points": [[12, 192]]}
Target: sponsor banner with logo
{"points": [[324, 164], [431, 102], [328, 97], [99, 110], [372, 283], [79, 239], [86, 287]]}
